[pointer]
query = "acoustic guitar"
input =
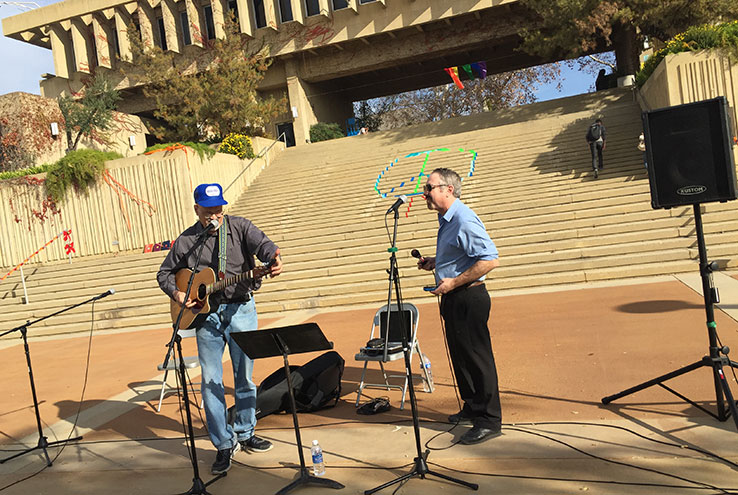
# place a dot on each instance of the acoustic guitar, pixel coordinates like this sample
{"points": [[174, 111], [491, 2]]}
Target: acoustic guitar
{"points": [[204, 284]]}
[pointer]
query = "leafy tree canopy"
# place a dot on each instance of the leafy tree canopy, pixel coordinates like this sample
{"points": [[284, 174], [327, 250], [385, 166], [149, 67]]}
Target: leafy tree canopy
{"points": [[495, 92], [91, 115], [208, 97], [570, 28]]}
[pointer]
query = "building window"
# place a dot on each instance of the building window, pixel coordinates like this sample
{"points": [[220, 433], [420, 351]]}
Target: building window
{"points": [[259, 14], [312, 7], [233, 7], [207, 13], [367, 1], [285, 9], [116, 43], [162, 33], [340, 4], [185, 23]]}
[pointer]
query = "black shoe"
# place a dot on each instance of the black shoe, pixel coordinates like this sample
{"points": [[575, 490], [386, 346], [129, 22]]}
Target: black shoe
{"points": [[460, 418], [223, 459], [478, 434], [595, 171], [256, 444]]}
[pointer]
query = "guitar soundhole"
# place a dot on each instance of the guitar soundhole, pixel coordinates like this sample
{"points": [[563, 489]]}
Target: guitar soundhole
{"points": [[201, 292]]}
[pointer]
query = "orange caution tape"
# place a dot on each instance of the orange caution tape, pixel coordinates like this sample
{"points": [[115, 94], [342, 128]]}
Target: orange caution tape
{"points": [[173, 147], [66, 233], [148, 208]]}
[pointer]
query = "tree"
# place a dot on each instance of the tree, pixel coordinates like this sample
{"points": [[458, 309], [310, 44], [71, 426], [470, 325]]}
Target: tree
{"points": [[495, 92], [571, 28], [211, 96], [92, 114]]}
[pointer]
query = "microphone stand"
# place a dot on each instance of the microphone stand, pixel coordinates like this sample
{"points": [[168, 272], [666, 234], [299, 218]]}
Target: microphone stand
{"points": [[421, 461], [43, 442], [198, 486]]}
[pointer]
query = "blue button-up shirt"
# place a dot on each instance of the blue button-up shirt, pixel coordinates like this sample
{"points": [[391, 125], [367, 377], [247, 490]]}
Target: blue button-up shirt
{"points": [[462, 241]]}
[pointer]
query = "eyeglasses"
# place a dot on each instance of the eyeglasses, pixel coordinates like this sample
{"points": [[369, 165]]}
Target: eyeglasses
{"points": [[429, 187]]}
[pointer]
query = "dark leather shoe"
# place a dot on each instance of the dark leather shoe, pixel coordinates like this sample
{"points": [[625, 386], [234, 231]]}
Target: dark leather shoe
{"points": [[460, 418], [478, 434]]}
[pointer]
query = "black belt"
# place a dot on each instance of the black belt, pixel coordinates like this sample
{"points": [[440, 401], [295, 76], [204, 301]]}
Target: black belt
{"points": [[475, 283]]}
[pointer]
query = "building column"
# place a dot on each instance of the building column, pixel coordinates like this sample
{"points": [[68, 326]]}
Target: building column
{"points": [[220, 13], [197, 31], [245, 19], [103, 44], [147, 21], [298, 103], [61, 50], [80, 44], [122, 21], [170, 14]]}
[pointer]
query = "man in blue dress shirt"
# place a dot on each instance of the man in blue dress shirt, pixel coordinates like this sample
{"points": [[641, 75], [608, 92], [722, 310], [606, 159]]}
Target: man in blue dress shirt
{"points": [[464, 255]]}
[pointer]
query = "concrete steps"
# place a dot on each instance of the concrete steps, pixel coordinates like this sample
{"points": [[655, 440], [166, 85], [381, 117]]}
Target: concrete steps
{"points": [[532, 186]]}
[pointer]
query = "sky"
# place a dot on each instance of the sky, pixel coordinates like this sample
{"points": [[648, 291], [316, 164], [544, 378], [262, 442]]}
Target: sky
{"points": [[26, 63]]}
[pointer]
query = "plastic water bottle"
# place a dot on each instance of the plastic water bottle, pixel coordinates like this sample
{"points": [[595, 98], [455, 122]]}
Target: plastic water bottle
{"points": [[318, 464], [427, 382]]}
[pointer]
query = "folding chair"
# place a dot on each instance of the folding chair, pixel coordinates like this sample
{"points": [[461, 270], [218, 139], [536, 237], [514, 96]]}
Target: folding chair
{"points": [[391, 348], [190, 362]]}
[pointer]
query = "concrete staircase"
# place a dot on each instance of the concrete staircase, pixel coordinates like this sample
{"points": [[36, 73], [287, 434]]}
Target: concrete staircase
{"points": [[532, 186]]}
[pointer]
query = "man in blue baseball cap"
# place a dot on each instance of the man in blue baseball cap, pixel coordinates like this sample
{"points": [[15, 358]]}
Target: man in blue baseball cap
{"points": [[229, 250]]}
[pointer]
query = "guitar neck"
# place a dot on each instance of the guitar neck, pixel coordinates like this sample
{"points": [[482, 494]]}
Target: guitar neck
{"points": [[222, 284]]}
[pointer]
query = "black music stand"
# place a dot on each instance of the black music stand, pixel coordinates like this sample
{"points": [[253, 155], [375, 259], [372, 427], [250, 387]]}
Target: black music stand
{"points": [[293, 339]]}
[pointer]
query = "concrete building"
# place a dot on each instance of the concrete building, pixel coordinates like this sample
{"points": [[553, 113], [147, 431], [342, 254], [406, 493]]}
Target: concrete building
{"points": [[326, 54]]}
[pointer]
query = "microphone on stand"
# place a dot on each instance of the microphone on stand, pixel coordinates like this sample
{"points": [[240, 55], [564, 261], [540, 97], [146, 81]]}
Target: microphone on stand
{"points": [[107, 293], [402, 199], [210, 227]]}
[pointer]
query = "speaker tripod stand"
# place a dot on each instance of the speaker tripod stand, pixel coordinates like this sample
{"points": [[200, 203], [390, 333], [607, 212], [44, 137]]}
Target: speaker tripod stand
{"points": [[717, 357], [420, 467]]}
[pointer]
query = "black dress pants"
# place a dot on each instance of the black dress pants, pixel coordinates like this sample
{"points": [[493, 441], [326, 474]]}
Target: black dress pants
{"points": [[465, 312]]}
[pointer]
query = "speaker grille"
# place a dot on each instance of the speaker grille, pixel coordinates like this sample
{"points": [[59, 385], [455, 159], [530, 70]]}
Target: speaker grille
{"points": [[689, 155]]}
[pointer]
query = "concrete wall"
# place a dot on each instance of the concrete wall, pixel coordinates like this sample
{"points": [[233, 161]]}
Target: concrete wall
{"points": [[694, 76], [152, 202]]}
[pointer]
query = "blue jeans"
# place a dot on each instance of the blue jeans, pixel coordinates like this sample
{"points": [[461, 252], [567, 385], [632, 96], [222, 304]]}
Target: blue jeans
{"points": [[211, 340]]}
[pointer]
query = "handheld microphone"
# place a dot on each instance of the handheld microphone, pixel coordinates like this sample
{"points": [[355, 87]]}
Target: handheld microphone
{"points": [[416, 254], [107, 293], [402, 199]]}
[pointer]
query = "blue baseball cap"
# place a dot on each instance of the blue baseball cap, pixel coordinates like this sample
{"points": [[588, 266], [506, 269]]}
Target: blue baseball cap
{"points": [[208, 195]]}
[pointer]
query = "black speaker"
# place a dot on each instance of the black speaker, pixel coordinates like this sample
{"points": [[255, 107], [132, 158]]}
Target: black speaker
{"points": [[689, 154]]}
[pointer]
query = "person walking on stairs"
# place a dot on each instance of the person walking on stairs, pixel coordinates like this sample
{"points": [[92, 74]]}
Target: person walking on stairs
{"points": [[596, 135]]}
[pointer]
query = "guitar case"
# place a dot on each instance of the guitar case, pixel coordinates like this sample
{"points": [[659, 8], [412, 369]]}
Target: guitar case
{"points": [[316, 385]]}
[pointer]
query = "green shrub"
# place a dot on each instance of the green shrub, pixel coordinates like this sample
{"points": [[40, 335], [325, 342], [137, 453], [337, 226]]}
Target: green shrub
{"points": [[693, 39], [79, 168], [203, 150], [12, 174], [237, 144], [323, 132]]}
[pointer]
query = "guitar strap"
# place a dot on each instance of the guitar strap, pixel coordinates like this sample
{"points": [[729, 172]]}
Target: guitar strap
{"points": [[222, 248]]}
